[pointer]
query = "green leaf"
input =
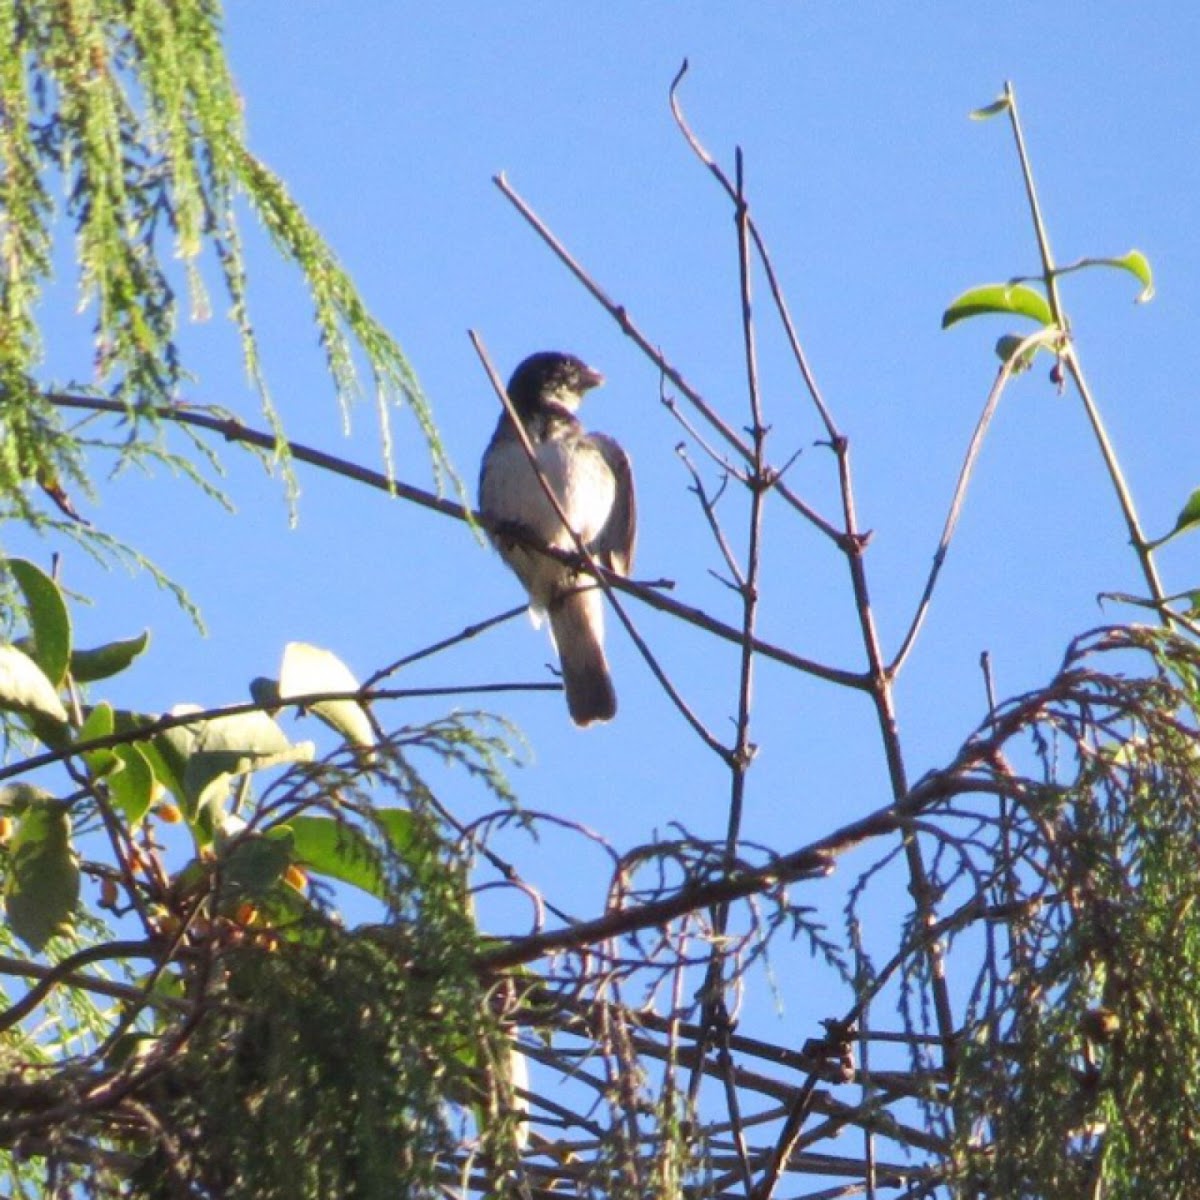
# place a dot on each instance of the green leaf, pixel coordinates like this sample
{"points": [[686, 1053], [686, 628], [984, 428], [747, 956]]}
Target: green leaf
{"points": [[170, 750], [1138, 265], [50, 623], [1189, 518], [98, 724], [103, 662], [132, 786], [165, 752], [50, 731], [340, 851], [1015, 299], [42, 888], [225, 747], [24, 687], [310, 671], [1002, 104], [1021, 350], [17, 797], [398, 826], [126, 770], [1017, 350]]}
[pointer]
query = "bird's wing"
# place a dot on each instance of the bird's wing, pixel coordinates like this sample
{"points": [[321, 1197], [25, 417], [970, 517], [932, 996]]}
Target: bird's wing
{"points": [[614, 544]]}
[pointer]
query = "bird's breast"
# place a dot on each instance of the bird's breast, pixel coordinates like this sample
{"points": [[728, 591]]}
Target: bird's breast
{"points": [[577, 474]]}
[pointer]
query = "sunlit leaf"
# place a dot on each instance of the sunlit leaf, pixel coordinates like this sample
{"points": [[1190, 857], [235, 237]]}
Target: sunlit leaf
{"points": [[225, 747], [311, 671], [132, 787], [49, 621], [126, 769], [171, 750], [988, 111], [1014, 299], [99, 724], [1135, 262], [103, 662], [1138, 265], [41, 890], [1189, 518], [24, 687]]}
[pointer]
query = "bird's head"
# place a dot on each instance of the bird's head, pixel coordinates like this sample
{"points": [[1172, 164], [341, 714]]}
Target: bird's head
{"points": [[551, 378]]}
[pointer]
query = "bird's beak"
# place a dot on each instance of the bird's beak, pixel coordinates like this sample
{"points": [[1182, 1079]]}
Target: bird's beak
{"points": [[591, 378]]}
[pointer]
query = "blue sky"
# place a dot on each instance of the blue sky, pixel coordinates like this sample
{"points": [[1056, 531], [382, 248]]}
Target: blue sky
{"points": [[880, 200]]}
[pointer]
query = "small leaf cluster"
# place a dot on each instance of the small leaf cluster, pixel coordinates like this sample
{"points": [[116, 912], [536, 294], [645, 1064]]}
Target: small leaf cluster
{"points": [[1036, 299]]}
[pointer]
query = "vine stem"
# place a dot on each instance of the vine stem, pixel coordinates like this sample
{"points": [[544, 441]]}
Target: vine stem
{"points": [[1137, 538], [1068, 356]]}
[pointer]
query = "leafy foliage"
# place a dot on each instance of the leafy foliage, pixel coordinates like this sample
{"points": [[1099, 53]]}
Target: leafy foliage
{"points": [[127, 108], [229, 1030], [261, 1014], [342, 1051]]}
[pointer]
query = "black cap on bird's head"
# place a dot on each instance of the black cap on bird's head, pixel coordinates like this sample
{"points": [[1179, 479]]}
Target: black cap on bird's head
{"points": [[551, 377]]}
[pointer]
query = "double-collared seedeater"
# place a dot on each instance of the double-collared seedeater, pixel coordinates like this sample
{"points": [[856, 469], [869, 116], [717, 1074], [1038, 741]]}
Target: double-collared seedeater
{"points": [[592, 479]]}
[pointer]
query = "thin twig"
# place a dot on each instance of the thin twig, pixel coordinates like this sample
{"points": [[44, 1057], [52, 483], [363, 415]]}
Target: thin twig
{"points": [[879, 679], [157, 725], [1010, 366], [708, 506], [52, 976], [471, 631], [622, 318], [779, 299]]}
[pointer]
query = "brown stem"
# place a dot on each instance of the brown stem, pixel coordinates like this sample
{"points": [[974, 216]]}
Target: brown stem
{"points": [[622, 318], [651, 595]]}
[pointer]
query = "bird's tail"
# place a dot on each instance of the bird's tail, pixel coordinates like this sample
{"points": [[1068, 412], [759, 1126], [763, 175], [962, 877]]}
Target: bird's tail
{"points": [[577, 623]]}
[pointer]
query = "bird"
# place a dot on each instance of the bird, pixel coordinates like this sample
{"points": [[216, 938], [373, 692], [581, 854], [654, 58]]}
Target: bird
{"points": [[592, 478]]}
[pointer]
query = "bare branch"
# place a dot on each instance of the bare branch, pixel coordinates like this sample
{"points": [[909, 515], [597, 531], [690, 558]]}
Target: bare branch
{"points": [[649, 594], [622, 318]]}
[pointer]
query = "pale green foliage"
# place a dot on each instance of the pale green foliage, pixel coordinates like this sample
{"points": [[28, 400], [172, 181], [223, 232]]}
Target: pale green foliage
{"points": [[280, 1053], [265, 1049], [1079, 1057], [122, 114]]}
